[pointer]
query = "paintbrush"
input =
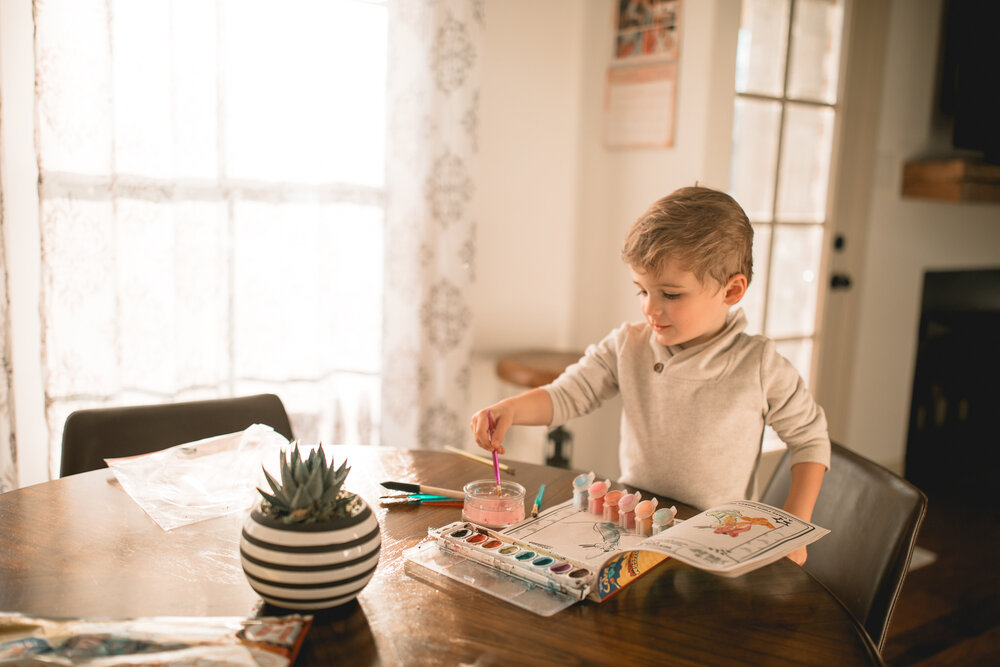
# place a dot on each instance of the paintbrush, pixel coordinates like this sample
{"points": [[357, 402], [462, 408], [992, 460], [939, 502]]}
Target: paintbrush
{"points": [[496, 457], [420, 488], [403, 500], [538, 501], [417, 496]]}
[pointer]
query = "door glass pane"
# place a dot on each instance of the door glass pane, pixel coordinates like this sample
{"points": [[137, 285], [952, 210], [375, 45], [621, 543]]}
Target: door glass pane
{"points": [[805, 163], [763, 40], [792, 290], [753, 303], [814, 60], [799, 352], [754, 158]]}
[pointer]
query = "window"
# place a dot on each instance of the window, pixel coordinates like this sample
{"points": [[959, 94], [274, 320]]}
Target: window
{"points": [[212, 204]]}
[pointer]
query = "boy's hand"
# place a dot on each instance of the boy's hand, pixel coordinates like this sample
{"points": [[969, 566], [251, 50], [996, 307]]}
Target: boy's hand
{"points": [[798, 556], [480, 426]]}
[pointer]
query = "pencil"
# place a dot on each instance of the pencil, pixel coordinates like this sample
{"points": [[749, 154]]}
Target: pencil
{"points": [[481, 459]]}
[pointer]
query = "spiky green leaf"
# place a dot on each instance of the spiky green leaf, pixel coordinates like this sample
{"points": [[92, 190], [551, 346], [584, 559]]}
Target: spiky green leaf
{"points": [[278, 490]]}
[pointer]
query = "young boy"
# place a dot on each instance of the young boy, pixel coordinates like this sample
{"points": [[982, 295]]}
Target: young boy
{"points": [[696, 391]]}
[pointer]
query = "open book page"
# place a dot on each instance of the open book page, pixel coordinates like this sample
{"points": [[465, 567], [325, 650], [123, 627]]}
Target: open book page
{"points": [[735, 538], [729, 539], [575, 534]]}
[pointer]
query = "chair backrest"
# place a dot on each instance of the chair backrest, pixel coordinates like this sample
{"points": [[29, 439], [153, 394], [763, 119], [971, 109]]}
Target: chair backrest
{"points": [[90, 436], [873, 516]]}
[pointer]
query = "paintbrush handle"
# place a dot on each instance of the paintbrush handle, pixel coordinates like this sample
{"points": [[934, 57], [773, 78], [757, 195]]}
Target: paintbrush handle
{"points": [[496, 457], [420, 488]]}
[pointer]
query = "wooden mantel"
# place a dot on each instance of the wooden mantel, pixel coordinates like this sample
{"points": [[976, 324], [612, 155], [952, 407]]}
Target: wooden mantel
{"points": [[952, 180]]}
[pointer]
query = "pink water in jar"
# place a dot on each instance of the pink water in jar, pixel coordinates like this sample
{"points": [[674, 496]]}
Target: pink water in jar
{"points": [[485, 507]]}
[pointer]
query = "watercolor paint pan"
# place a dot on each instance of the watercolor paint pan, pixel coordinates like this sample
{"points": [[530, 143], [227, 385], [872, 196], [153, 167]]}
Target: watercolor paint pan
{"points": [[493, 561]]}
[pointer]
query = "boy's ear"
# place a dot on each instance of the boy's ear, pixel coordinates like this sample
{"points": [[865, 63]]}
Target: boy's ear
{"points": [[736, 288]]}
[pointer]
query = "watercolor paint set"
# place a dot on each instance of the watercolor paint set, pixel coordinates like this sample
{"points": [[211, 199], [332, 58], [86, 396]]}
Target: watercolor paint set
{"points": [[523, 574]]}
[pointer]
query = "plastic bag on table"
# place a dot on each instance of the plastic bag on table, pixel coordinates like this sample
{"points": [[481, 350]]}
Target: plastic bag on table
{"points": [[203, 479]]}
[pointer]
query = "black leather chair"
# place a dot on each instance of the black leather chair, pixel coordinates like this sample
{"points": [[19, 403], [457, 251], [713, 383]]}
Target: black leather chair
{"points": [[873, 516], [90, 436]]}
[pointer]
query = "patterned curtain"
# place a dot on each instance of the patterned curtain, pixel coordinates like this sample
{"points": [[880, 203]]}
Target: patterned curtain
{"points": [[8, 444], [435, 55]]}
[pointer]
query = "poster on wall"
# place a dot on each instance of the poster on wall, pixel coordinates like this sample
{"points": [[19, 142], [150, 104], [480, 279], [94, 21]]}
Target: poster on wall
{"points": [[642, 80]]}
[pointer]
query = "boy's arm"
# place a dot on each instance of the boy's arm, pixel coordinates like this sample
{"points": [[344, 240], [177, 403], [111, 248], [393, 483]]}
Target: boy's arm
{"points": [[807, 478], [532, 408]]}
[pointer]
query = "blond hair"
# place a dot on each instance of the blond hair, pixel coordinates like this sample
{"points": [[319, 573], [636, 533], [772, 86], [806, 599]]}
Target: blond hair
{"points": [[703, 229]]}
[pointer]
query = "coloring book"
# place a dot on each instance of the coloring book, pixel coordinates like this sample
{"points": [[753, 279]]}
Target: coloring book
{"points": [[567, 554]]}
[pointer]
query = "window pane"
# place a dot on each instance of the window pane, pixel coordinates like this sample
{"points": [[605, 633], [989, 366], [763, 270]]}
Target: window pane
{"points": [[753, 302], [313, 110], [140, 47], [308, 281], [173, 305], [80, 284], [792, 290], [805, 163], [815, 54], [799, 352], [195, 101], [74, 86], [763, 41], [754, 159]]}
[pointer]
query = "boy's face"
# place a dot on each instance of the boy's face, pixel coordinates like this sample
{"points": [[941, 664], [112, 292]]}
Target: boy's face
{"points": [[681, 309]]}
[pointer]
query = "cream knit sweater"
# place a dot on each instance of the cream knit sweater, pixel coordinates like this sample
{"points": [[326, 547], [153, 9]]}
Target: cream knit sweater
{"points": [[692, 420]]}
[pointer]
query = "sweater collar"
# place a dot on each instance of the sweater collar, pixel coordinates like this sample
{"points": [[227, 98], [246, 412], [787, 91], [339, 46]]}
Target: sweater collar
{"points": [[736, 322]]}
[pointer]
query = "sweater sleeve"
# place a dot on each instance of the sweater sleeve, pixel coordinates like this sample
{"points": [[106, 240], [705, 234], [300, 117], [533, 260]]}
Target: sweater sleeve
{"points": [[791, 410], [585, 385]]}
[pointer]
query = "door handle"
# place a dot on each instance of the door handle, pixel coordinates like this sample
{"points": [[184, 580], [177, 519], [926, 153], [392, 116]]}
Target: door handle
{"points": [[840, 281]]}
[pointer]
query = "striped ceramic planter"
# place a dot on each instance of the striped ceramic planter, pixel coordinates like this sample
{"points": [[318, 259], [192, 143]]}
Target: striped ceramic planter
{"points": [[313, 565]]}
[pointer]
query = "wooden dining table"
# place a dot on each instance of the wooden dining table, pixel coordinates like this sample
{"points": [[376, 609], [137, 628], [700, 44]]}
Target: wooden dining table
{"points": [[81, 547]]}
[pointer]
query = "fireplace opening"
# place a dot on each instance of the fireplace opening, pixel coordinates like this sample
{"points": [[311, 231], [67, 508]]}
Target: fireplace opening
{"points": [[954, 432]]}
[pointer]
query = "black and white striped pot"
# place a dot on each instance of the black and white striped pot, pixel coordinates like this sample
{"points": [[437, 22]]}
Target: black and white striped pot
{"points": [[310, 565]]}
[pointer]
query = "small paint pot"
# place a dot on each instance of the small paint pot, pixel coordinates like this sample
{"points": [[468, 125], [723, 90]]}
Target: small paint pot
{"points": [[611, 499], [596, 493], [580, 486], [644, 517], [663, 519], [484, 506], [626, 510]]}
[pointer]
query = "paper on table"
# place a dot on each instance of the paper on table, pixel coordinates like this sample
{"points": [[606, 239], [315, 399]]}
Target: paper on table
{"points": [[200, 480]]}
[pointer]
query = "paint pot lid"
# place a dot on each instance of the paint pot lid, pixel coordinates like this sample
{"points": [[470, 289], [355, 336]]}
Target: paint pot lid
{"points": [[598, 489], [662, 517], [628, 502], [645, 508], [583, 480]]}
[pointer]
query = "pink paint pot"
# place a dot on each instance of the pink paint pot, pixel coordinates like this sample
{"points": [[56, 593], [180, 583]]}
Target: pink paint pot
{"points": [[611, 499], [595, 501], [484, 506]]}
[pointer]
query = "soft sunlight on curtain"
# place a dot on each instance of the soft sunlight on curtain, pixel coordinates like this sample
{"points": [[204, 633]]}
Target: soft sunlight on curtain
{"points": [[212, 206], [8, 443], [435, 56]]}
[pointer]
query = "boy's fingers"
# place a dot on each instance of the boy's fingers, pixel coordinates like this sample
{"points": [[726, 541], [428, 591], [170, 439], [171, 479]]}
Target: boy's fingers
{"points": [[498, 434]]}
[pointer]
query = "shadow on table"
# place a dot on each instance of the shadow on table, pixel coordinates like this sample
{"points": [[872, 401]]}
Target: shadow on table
{"points": [[338, 636]]}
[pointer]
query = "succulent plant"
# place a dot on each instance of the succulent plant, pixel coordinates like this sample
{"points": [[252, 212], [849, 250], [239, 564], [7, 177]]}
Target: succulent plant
{"points": [[309, 490]]}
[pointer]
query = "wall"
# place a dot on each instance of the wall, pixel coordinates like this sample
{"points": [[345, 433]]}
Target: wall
{"points": [[556, 203], [905, 237]]}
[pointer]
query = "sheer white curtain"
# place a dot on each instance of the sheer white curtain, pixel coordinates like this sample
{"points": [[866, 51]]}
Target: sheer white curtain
{"points": [[212, 206], [435, 55], [8, 443]]}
